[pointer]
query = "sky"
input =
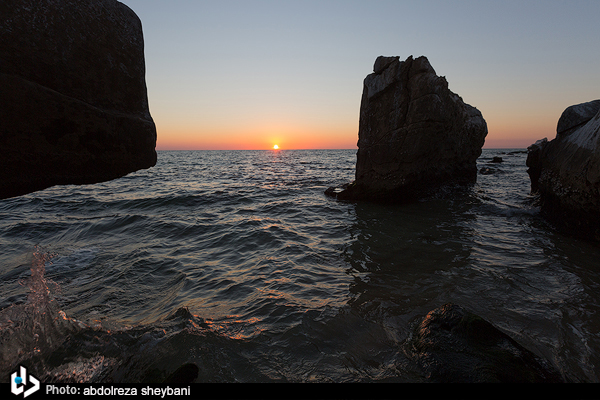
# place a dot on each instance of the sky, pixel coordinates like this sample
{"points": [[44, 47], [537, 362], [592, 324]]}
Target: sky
{"points": [[249, 74]]}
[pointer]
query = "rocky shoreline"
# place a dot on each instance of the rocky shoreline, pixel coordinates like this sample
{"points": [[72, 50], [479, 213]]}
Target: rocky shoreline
{"points": [[416, 137], [406, 152], [74, 110]]}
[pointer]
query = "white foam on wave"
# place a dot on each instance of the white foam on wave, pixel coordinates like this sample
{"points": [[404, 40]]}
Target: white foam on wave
{"points": [[38, 325]]}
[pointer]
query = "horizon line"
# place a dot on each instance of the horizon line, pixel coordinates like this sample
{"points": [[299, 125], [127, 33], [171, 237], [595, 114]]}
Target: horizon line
{"points": [[280, 149]]}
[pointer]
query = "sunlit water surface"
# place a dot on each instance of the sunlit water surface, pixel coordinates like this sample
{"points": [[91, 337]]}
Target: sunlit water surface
{"points": [[237, 261]]}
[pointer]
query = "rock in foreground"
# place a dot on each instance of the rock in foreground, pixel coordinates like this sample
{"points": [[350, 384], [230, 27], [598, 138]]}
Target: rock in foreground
{"points": [[566, 171], [414, 134], [452, 345], [73, 104]]}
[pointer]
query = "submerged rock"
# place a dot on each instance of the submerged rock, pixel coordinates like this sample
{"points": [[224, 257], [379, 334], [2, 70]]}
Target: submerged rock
{"points": [[451, 344], [565, 171], [73, 104], [487, 171], [414, 134]]}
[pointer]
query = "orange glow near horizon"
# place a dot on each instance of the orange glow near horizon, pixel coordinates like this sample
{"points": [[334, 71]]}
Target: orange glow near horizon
{"points": [[518, 132], [256, 138], [509, 137], [179, 143]]}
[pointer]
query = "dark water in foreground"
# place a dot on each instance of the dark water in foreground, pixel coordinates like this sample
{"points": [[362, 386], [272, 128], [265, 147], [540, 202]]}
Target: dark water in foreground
{"points": [[236, 261]]}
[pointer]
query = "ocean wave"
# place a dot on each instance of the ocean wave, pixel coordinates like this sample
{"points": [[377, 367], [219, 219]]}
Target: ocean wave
{"points": [[238, 264]]}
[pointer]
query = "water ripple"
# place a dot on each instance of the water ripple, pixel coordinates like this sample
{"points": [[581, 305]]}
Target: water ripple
{"points": [[237, 262]]}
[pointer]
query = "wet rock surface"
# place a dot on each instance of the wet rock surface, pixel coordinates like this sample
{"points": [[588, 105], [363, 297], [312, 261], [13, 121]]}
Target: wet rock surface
{"points": [[73, 104], [453, 345]]}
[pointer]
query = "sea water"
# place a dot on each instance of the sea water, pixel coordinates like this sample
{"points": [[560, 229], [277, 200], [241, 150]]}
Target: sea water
{"points": [[237, 262]]}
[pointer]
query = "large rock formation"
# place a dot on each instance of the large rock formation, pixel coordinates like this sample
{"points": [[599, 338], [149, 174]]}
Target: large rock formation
{"points": [[414, 134], [566, 171], [73, 103]]}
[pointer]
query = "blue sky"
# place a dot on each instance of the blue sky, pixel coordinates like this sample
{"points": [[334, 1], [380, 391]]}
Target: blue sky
{"points": [[247, 74]]}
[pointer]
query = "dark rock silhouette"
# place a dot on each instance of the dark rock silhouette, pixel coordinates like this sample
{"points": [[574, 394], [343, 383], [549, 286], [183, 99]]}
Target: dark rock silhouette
{"points": [[453, 345], [565, 171], [414, 134], [73, 104]]}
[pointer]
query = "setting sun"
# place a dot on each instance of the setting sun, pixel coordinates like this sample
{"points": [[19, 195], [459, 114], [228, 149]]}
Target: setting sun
{"points": [[275, 147]]}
